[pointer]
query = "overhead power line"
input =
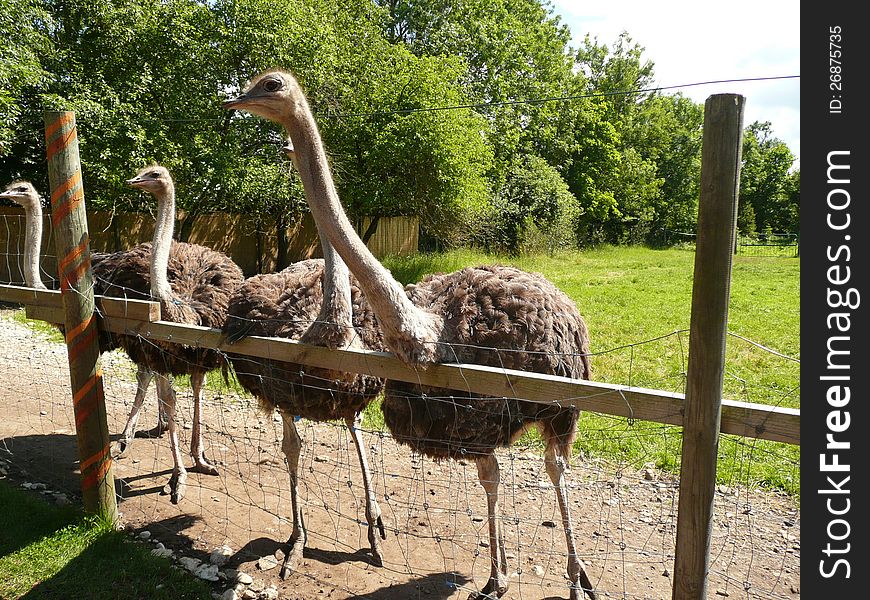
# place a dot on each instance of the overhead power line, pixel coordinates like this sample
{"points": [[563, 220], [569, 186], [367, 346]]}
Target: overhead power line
{"points": [[551, 99], [481, 105]]}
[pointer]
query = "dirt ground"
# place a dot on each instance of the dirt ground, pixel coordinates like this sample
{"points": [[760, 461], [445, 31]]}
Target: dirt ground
{"points": [[436, 546]]}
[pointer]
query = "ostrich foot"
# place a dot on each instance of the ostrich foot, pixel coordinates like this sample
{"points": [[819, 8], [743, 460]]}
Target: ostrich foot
{"points": [[201, 465], [375, 543], [495, 588], [120, 447], [294, 553], [177, 486], [584, 585]]}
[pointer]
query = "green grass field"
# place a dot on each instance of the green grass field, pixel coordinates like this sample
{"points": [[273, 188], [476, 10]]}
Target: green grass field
{"points": [[52, 552]]}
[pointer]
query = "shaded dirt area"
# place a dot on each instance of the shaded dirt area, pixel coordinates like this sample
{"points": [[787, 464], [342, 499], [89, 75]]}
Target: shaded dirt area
{"points": [[436, 544]]}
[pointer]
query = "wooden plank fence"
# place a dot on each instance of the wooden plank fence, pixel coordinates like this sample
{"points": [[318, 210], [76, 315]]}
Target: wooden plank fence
{"points": [[251, 246], [139, 317]]}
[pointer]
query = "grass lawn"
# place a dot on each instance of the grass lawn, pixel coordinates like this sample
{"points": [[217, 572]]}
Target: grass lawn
{"points": [[54, 552]]}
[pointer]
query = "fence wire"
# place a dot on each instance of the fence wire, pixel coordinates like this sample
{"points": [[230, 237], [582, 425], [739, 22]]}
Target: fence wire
{"points": [[622, 486], [623, 504]]}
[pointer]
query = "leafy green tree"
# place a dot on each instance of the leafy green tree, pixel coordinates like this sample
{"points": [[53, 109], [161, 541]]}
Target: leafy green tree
{"points": [[532, 210], [392, 154], [24, 45], [766, 187]]}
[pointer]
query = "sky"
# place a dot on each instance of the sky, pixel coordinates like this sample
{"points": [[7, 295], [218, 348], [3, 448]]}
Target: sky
{"points": [[691, 41]]}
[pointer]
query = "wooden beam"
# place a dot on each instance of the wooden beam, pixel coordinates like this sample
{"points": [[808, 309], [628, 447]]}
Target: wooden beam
{"points": [[708, 332], [142, 310], [741, 418], [752, 420], [77, 293]]}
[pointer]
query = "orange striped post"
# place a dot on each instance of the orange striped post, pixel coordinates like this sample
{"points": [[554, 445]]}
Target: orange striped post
{"points": [[76, 284]]}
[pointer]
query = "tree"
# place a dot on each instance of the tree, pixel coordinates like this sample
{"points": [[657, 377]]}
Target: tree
{"points": [[767, 190], [532, 210], [24, 45]]}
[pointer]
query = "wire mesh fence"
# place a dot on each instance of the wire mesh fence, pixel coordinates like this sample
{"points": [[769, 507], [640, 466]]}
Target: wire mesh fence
{"points": [[622, 491], [780, 245]]}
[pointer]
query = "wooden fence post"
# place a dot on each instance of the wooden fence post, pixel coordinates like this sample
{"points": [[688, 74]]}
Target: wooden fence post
{"points": [[76, 283], [717, 222]]}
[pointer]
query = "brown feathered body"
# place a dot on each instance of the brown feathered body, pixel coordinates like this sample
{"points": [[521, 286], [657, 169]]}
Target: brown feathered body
{"points": [[284, 305], [202, 281], [496, 316]]}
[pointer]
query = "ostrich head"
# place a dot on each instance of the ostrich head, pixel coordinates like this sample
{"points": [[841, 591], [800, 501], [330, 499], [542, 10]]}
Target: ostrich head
{"points": [[273, 94], [154, 179], [22, 193]]}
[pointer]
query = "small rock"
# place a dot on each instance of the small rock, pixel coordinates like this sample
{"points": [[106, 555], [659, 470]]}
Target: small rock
{"points": [[162, 552], [249, 595], [144, 535], [230, 594], [207, 572], [323, 459], [43, 413], [538, 571], [189, 563], [267, 562], [61, 499], [219, 556], [721, 593], [270, 593], [244, 578], [279, 555], [257, 585], [549, 524], [795, 589]]}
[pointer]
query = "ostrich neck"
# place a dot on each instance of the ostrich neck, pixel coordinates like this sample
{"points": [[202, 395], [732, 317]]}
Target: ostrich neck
{"points": [[406, 327], [32, 240], [161, 244], [337, 304]]}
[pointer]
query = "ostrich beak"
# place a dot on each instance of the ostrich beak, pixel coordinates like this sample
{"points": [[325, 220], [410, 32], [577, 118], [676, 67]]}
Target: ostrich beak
{"points": [[135, 182], [235, 102]]}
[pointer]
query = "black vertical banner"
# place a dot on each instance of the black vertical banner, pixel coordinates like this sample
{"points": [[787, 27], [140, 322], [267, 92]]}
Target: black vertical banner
{"points": [[835, 235]]}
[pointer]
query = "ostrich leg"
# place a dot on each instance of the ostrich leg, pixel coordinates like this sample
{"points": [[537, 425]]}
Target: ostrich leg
{"points": [[373, 510], [292, 446], [557, 463], [200, 464], [143, 380], [489, 476], [178, 481]]}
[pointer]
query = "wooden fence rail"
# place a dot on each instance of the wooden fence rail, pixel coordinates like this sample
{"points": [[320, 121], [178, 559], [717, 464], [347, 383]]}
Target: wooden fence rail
{"points": [[139, 317]]}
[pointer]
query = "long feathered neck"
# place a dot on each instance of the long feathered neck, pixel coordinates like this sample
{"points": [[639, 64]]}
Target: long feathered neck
{"points": [[32, 241], [161, 244], [334, 323], [409, 332]]}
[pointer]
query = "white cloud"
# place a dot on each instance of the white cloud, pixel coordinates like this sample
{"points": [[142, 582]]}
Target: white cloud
{"points": [[693, 42]]}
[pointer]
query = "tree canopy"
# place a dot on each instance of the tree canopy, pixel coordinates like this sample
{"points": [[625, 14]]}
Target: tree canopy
{"points": [[474, 115]]}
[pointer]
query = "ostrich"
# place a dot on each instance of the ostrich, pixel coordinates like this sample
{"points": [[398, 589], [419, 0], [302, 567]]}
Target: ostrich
{"points": [[193, 285], [313, 301], [498, 316], [24, 194], [102, 264]]}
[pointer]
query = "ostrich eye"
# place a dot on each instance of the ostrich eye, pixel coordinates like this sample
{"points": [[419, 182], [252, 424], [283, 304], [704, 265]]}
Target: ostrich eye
{"points": [[154, 174], [272, 85], [21, 189]]}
